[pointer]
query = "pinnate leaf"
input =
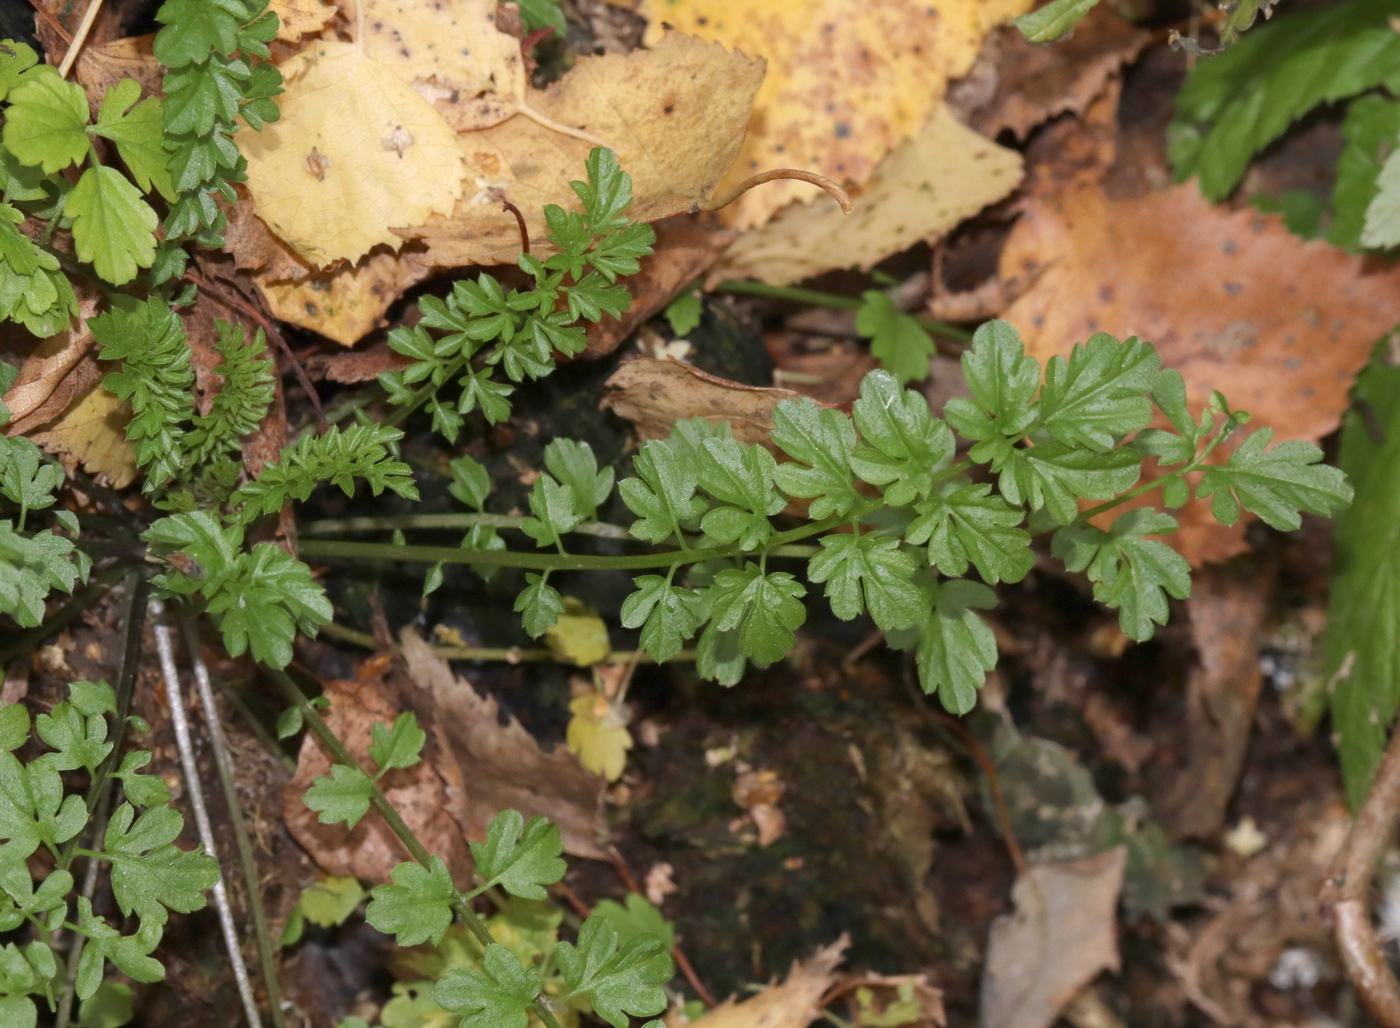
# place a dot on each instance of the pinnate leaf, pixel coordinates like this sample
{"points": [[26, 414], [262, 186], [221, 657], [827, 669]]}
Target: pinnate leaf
{"points": [[521, 857], [343, 795], [1099, 393], [539, 605], [965, 522], [1003, 382], [497, 996], [1277, 484], [667, 614], [663, 496], [956, 648], [765, 609], [619, 982], [902, 444], [399, 745], [149, 872], [868, 572], [575, 466], [417, 906], [821, 439]]}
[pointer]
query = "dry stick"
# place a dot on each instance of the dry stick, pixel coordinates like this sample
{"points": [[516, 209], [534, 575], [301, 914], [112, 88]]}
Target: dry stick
{"points": [[180, 722], [506, 205], [79, 37], [237, 302], [223, 761], [715, 203], [1346, 894]]}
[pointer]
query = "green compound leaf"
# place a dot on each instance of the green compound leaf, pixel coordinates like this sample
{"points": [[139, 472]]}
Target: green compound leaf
{"points": [[497, 996], [417, 907], [717, 656], [343, 795], [1362, 652], [1131, 574], [26, 478], [1099, 393], [149, 872], [46, 123], [555, 509], [664, 494], [1369, 133], [619, 982], [542, 14], [92, 697], [639, 917], [683, 314], [607, 193], [765, 609], [14, 726], [33, 809], [1053, 20], [137, 130], [260, 607], [113, 228], [955, 648], [867, 572], [667, 614], [1003, 382], [1238, 102], [129, 954], [80, 741], [575, 466], [398, 746], [31, 567], [822, 439], [194, 27], [902, 444], [539, 605], [897, 340], [1276, 484], [141, 790], [1055, 476], [963, 523], [471, 483], [741, 475], [521, 857]]}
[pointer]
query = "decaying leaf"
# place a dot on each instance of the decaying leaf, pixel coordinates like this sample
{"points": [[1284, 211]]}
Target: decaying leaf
{"points": [[102, 66], [355, 152], [674, 115], [845, 85], [452, 53], [56, 372], [598, 735], [347, 303], [297, 18], [92, 432], [924, 188], [655, 394], [501, 764], [793, 1003], [431, 796], [1062, 934]]}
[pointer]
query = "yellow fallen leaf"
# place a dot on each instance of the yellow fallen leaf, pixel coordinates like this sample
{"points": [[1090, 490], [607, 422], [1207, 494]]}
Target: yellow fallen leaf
{"points": [[598, 736], [355, 153], [674, 115], [793, 1003], [920, 191], [580, 636], [297, 18], [92, 433], [846, 83], [452, 53], [347, 303]]}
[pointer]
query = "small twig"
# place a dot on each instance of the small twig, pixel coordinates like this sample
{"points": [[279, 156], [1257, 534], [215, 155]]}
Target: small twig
{"points": [[52, 22], [506, 205], [837, 193], [179, 720], [79, 38], [270, 330], [223, 761], [1346, 895]]}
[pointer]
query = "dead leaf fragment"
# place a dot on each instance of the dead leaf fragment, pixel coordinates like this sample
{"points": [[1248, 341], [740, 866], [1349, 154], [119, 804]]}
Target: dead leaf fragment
{"points": [[501, 764], [655, 394], [92, 432], [1062, 934], [297, 18], [319, 177], [674, 115], [923, 189], [347, 303], [794, 1003], [845, 85]]}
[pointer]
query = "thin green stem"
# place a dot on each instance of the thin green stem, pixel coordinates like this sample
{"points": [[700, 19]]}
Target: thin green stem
{"points": [[410, 522], [849, 303], [396, 824], [507, 654], [1143, 488]]}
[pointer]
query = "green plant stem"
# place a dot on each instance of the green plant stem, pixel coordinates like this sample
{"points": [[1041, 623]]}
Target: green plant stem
{"points": [[391, 817], [1143, 488], [508, 654], [410, 522], [339, 549], [848, 303]]}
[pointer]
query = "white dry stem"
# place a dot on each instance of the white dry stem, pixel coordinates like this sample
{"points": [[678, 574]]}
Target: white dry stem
{"points": [[79, 38], [165, 647]]}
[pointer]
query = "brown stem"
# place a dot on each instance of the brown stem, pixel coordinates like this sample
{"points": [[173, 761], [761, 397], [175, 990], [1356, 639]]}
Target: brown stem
{"points": [[1346, 894], [715, 203], [506, 205]]}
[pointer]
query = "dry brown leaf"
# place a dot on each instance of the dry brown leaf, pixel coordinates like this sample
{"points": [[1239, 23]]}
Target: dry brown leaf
{"points": [[430, 796], [347, 303], [655, 394], [674, 115], [253, 247], [501, 764], [1063, 933], [795, 1003], [927, 186], [92, 432], [452, 53], [1202, 284], [297, 18], [100, 67], [684, 249], [55, 373], [356, 365], [1036, 82], [355, 152], [845, 85]]}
